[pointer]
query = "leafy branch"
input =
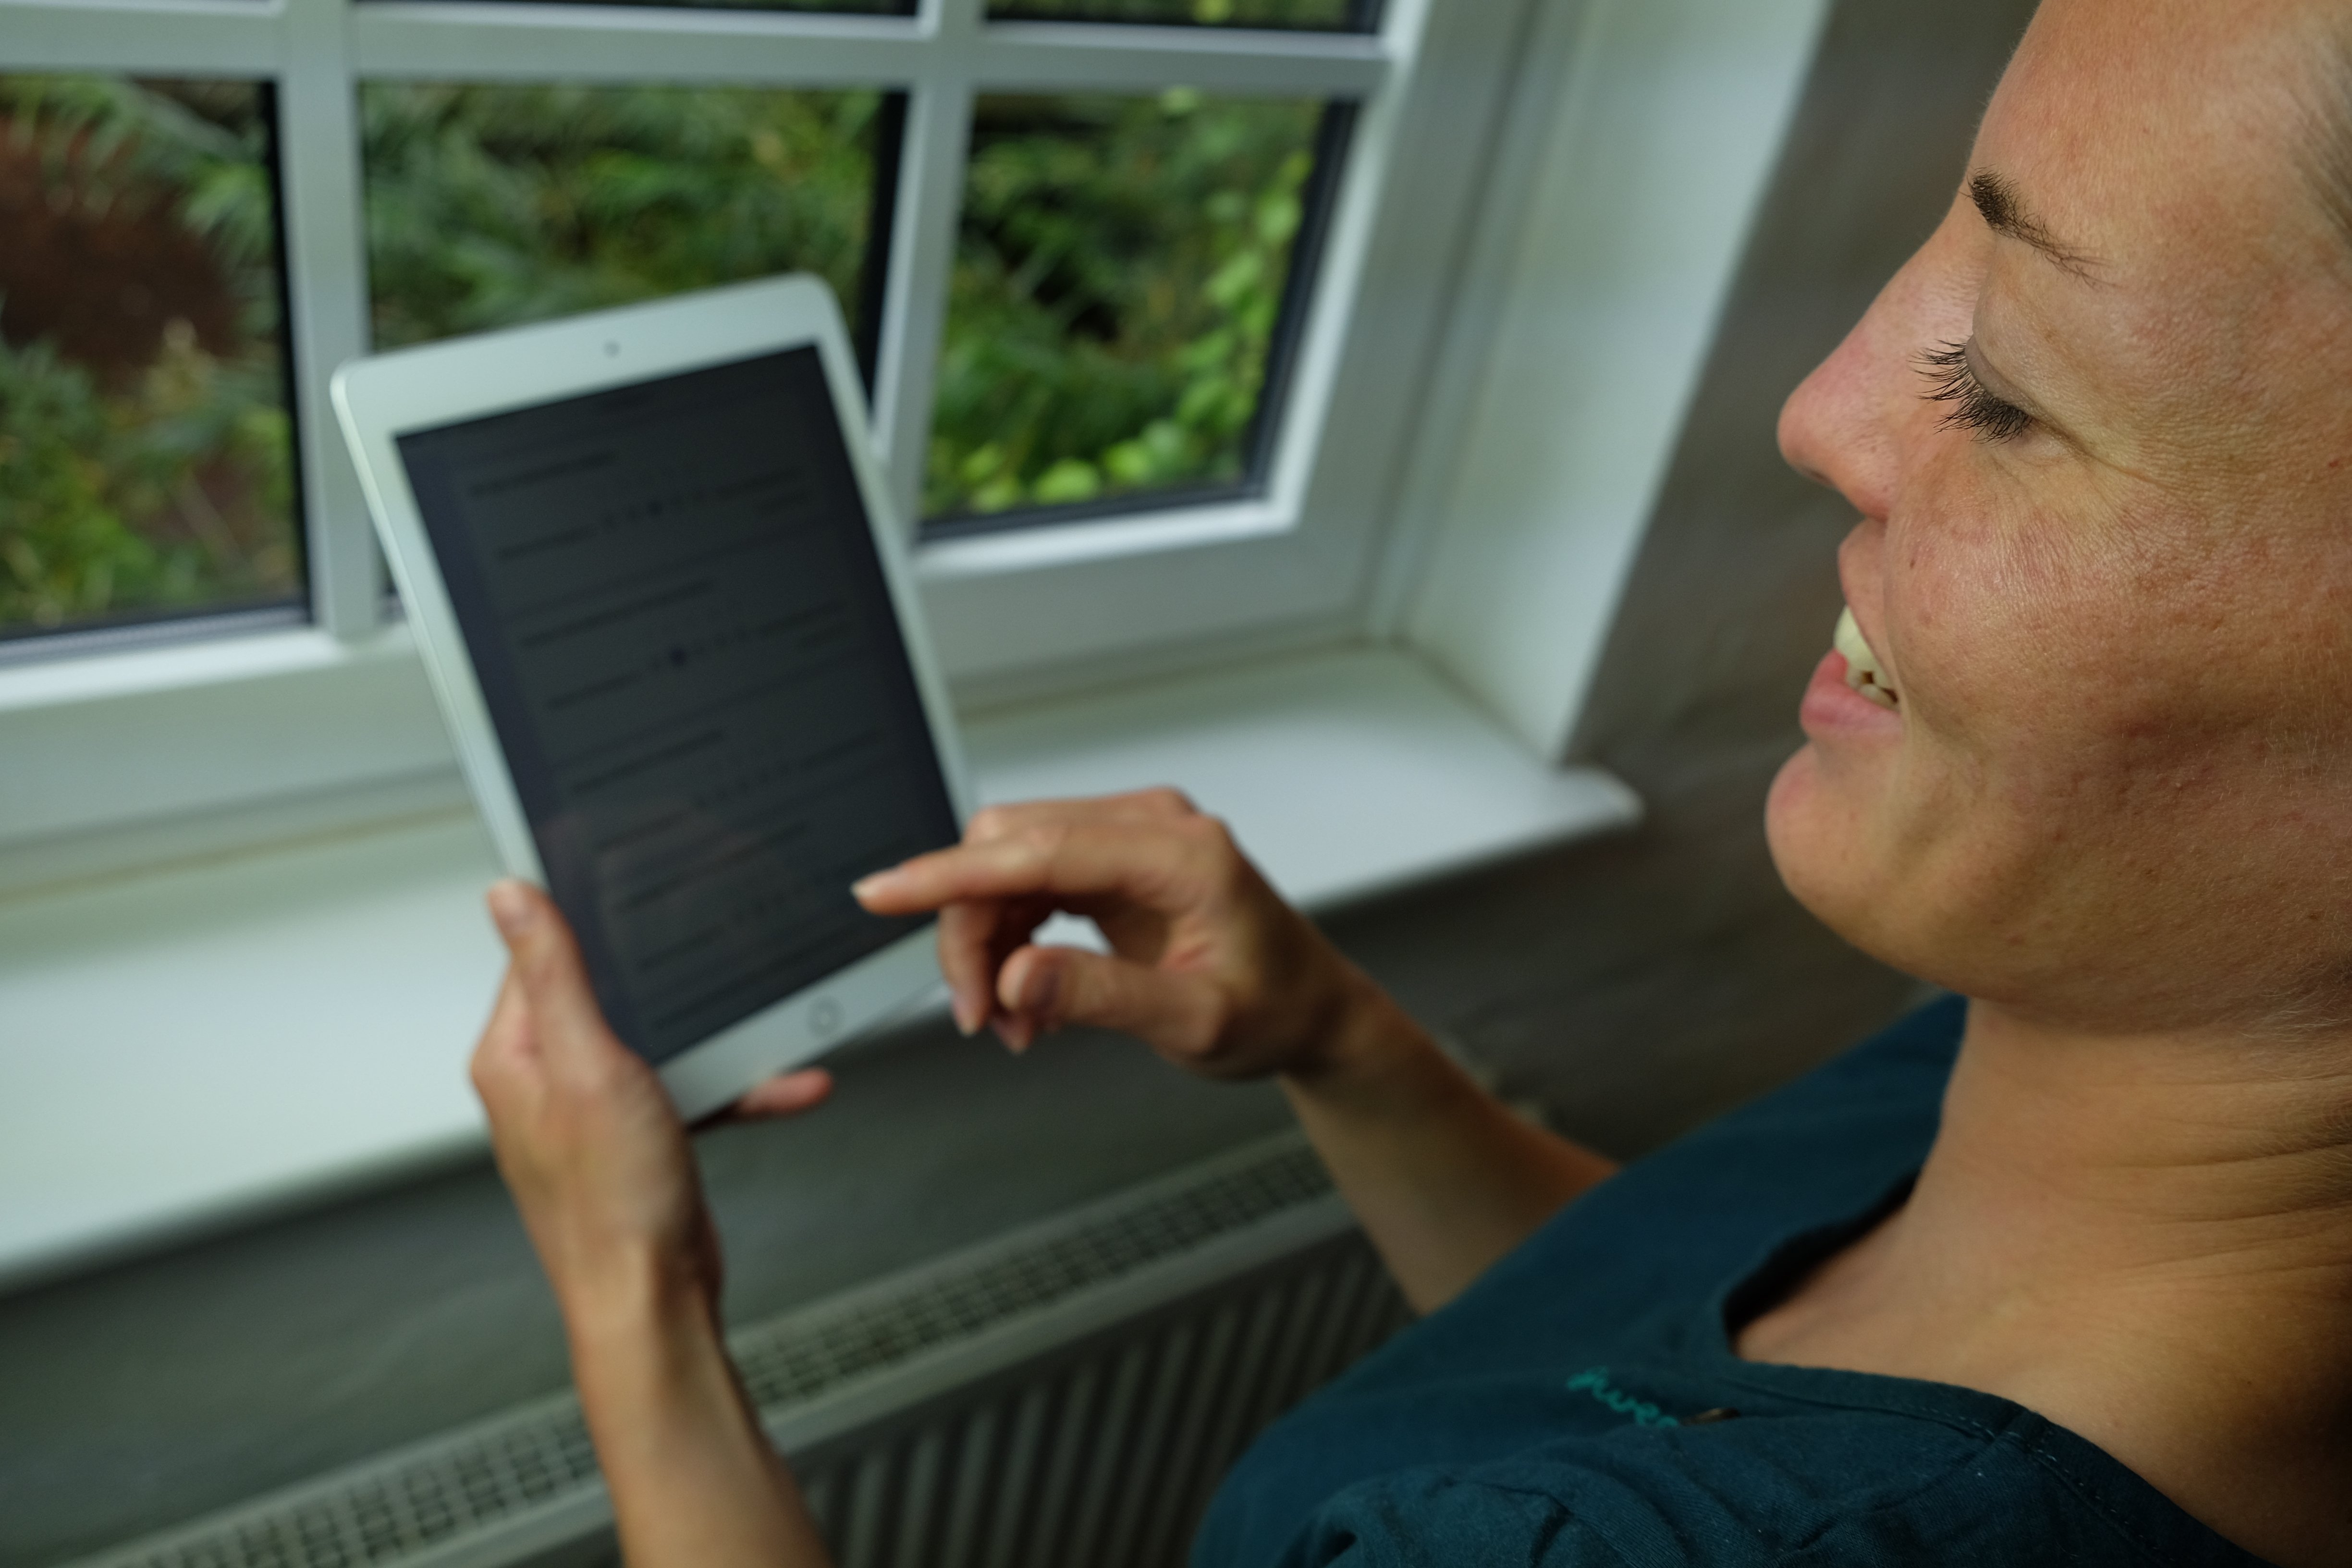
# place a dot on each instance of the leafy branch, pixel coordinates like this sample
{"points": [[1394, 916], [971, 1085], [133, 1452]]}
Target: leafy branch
{"points": [[170, 484]]}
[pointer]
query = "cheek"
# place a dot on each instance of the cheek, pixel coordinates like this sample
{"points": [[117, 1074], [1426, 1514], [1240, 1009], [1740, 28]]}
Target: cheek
{"points": [[2127, 738], [2108, 724], [1988, 614], [2018, 646], [2054, 647], [2050, 655]]}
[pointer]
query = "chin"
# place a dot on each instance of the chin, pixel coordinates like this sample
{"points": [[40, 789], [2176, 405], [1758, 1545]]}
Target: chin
{"points": [[1817, 845], [1800, 824]]}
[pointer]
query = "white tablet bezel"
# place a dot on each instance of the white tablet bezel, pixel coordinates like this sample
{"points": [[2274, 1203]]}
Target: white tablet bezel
{"points": [[380, 398]]}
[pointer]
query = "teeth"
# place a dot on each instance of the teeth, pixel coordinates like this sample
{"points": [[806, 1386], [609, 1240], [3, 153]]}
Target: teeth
{"points": [[1862, 671]]}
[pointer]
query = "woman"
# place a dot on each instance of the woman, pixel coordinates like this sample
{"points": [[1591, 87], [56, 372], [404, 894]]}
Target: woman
{"points": [[2063, 1273]]}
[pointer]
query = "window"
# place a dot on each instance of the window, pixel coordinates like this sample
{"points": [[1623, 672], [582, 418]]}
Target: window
{"points": [[1142, 288], [571, 197], [1114, 315], [1332, 16], [146, 461], [1614, 175], [868, 7]]}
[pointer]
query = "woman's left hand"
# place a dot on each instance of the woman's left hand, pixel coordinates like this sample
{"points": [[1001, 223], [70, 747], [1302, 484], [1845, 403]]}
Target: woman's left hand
{"points": [[585, 1135], [599, 1165]]}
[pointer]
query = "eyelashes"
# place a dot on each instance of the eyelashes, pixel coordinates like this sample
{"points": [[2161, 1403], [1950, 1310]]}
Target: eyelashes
{"points": [[1974, 409]]}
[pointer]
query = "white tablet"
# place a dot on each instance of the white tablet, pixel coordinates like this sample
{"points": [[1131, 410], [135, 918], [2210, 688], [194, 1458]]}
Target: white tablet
{"points": [[651, 563]]}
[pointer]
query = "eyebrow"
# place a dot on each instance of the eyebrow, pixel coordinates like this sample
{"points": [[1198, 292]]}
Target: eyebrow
{"points": [[1997, 200]]}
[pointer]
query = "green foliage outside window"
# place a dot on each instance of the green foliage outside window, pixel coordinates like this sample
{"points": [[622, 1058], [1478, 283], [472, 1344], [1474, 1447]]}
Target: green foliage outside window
{"points": [[1112, 309], [1328, 16], [145, 455], [492, 206], [1116, 290], [867, 8]]}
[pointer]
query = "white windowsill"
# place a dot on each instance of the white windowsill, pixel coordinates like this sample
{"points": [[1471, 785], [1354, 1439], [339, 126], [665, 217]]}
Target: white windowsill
{"points": [[1101, 539], [191, 1046], [115, 754], [191, 660], [1343, 774]]}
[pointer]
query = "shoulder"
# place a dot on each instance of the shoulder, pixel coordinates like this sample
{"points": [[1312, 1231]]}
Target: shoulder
{"points": [[1829, 1142], [1416, 1518], [1680, 1224], [1857, 1489]]}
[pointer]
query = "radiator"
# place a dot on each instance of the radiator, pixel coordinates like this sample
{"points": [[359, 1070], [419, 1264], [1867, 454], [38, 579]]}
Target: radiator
{"points": [[1064, 1396]]}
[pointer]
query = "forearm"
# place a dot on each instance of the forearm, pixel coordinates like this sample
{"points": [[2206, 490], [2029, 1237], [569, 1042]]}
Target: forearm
{"points": [[1444, 1178], [693, 1479]]}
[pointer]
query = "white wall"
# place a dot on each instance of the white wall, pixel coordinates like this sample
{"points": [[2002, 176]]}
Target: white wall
{"points": [[1648, 162]]}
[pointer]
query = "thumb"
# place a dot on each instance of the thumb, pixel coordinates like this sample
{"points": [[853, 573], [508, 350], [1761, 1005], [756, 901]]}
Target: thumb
{"points": [[1045, 987], [547, 967]]}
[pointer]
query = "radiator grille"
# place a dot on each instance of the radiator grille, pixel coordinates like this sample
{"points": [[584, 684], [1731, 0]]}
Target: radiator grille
{"points": [[1108, 1461], [1066, 1394], [797, 1358]]}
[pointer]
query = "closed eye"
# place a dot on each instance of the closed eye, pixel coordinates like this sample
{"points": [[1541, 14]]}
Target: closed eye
{"points": [[1952, 380]]}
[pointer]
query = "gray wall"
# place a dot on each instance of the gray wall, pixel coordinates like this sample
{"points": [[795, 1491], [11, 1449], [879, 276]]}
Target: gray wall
{"points": [[1634, 986]]}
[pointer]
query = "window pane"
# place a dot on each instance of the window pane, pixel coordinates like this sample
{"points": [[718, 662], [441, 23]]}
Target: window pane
{"points": [[1118, 311], [1326, 16], [146, 453], [492, 206], [859, 7]]}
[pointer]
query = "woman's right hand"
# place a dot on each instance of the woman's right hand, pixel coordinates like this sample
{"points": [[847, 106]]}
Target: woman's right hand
{"points": [[1208, 966]]}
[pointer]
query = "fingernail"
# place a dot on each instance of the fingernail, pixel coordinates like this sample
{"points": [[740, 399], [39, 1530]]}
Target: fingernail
{"points": [[970, 1014], [512, 907], [866, 887], [1013, 1033]]}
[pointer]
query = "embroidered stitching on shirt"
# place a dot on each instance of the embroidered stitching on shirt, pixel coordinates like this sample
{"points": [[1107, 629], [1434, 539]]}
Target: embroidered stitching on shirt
{"points": [[1594, 1380]]}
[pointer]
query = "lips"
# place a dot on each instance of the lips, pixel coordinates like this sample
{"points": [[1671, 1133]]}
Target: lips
{"points": [[1862, 667]]}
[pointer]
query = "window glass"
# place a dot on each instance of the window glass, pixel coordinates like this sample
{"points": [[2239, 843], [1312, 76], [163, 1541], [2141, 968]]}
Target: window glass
{"points": [[861, 7], [146, 453], [1118, 313], [488, 206], [1326, 16]]}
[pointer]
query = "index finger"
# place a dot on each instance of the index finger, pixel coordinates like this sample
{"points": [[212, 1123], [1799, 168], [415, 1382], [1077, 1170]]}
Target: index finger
{"points": [[1151, 866], [1159, 804]]}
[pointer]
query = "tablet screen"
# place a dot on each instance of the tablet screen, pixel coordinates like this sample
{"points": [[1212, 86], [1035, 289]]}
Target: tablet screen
{"points": [[672, 599]]}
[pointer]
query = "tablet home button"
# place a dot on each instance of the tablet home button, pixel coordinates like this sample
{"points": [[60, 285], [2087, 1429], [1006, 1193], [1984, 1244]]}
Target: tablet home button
{"points": [[825, 1017]]}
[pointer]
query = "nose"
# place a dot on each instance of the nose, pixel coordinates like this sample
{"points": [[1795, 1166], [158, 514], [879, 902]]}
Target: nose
{"points": [[1835, 428], [1854, 422]]}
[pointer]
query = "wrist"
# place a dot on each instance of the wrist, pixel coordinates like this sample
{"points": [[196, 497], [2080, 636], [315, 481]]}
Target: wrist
{"points": [[1360, 1036], [649, 1360], [635, 1297]]}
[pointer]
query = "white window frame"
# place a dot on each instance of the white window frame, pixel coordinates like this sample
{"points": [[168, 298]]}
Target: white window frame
{"points": [[1509, 350], [189, 724]]}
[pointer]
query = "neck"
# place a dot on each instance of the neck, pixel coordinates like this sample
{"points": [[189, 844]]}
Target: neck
{"points": [[2147, 1239], [2114, 1165]]}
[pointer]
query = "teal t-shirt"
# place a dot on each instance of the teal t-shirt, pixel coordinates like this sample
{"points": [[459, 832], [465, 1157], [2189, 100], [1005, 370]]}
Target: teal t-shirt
{"points": [[1581, 1403]]}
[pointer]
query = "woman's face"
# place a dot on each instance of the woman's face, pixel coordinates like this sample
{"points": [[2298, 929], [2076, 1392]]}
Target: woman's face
{"points": [[2109, 579]]}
